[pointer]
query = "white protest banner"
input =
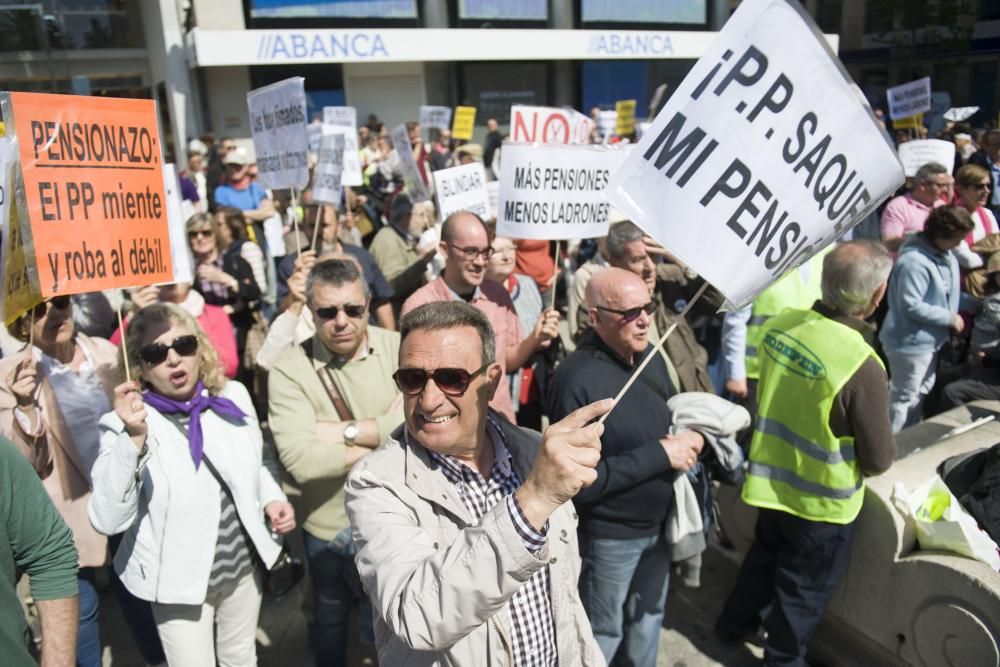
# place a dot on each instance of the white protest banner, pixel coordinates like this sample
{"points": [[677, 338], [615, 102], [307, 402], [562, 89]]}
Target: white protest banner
{"points": [[462, 189], [909, 99], [438, 117], [344, 120], [547, 125], [408, 164], [180, 250], [329, 167], [763, 155], [915, 154], [958, 114], [278, 124], [555, 192], [606, 122]]}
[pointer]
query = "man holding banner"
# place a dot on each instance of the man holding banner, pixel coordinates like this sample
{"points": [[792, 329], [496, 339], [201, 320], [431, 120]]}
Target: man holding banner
{"points": [[822, 427]]}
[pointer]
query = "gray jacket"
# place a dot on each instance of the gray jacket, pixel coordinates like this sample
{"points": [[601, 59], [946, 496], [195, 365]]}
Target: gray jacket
{"points": [[440, 583]]}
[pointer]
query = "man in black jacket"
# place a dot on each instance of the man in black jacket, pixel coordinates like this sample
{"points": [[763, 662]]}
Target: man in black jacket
{"points": [[626, 562]]}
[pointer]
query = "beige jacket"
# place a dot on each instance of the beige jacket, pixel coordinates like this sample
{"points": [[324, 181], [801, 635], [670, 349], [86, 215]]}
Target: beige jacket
{"points": [[439, 583], [53, 453]]}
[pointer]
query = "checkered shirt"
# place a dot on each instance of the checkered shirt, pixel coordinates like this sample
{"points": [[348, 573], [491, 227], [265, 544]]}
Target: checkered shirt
{"points": [[530, 609]]}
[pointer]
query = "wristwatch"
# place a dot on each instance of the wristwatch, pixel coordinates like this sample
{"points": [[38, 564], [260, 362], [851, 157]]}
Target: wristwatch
{"points": [[351, 432]]}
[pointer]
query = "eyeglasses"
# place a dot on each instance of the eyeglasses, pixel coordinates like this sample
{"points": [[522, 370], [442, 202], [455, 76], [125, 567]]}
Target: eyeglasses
{"points": [[451, 381], [940, 185], [504, 252], [156, 353], [199, 233], [631, 314], [330, 312], [471, 253]]}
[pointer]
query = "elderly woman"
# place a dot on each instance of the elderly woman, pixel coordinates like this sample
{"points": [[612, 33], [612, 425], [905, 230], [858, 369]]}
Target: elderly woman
{"points": [[51, 400], [181, 472], [972, 188], [923, 301], [233, 232]]}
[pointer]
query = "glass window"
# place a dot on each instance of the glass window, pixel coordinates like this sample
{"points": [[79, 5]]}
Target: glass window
{"points": [[71, 24], [828, 15], [359, 9], [512, 10], [643, 11], [494, 87], [989, 10]]}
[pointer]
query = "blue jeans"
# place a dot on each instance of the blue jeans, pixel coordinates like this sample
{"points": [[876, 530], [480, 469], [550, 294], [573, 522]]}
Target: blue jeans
{"points": [[88, 638], [623, 587], [912, 378], [335, 584]]}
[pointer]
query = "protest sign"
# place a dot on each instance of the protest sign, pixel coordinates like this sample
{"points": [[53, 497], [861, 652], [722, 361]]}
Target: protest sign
{"points": [[909, 99], [92, 195], [547, 125], [464, 123], [625, 117], [408, 164], [19, 293], [280, 139], [958, 114], [438, 117], [607, 120], [329, 167], [657, 99], [462, 189], [915, 154], [555, 192], [763, 155], [909, 123], [180, 250], [493, 192], [344, 121]]}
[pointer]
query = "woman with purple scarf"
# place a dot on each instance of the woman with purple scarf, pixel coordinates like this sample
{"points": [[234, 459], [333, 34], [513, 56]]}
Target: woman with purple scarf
{"points": [[181, 471]]}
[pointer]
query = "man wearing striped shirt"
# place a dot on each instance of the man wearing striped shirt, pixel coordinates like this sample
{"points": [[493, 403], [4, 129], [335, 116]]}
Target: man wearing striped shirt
{"points": [[466, 537]]}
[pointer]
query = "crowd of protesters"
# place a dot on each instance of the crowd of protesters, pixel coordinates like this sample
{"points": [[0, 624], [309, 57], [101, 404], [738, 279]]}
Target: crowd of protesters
{"points": [[313, 334]]}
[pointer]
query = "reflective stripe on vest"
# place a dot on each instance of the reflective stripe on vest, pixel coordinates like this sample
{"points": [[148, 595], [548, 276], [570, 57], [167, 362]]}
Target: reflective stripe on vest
{"points": [[797, 464], [788, 292]]}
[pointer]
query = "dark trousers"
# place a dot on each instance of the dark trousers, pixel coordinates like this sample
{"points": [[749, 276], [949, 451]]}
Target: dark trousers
{"points": [[793, 566], [983, 385]]}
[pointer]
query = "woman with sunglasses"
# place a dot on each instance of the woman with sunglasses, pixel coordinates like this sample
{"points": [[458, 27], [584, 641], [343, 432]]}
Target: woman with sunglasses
{"points": [[225, 280], [972, 187], [181, 472], [51, 399]]}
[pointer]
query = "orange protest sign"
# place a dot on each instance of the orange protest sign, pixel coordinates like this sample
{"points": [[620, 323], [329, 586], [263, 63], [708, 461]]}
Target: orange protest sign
{"points": [[93, 190]]}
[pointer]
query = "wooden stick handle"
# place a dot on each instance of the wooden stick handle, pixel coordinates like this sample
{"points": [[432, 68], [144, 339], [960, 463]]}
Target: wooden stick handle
{"points": [[295, 224], [121, 327], [319, 223], [656, 349]]}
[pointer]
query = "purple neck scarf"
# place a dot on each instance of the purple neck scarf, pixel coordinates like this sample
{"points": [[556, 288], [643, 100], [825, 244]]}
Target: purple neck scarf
{"points": [[201, 401]]}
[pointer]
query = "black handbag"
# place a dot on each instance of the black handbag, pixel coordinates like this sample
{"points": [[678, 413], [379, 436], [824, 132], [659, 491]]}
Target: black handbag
{"points": [[287, 571]]}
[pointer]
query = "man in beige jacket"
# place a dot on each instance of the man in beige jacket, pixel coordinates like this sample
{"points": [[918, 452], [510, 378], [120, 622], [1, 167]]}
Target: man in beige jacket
{"points": [[466, 537]]}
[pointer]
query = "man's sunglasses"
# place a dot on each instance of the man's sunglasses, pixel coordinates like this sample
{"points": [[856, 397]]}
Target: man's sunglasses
{"points": [[156, 353], [451, 381], [630, 314], [330, 312]]}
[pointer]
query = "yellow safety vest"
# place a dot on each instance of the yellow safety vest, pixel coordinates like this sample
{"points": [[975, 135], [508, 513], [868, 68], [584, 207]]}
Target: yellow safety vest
{"points": [[797, 464], [790, 291]]}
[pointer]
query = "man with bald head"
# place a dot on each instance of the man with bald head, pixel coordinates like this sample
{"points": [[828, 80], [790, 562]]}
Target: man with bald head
{"points": [[465, 244], [625, 559]]}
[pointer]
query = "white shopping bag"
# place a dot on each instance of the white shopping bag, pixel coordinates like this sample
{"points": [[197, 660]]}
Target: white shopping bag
{"points": [[943, 524]]}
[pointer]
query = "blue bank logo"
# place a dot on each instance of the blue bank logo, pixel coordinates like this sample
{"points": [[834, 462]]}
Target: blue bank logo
{"points": [[325, 46], [630, 44]]}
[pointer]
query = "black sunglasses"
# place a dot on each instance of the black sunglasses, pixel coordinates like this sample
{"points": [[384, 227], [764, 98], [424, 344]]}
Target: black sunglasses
{"points": [[451, 381], [57, 302], [630, 314], [156, 353], [196, 233], [330, 312]]}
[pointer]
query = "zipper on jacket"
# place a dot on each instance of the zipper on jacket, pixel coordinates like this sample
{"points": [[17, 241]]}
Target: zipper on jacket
{"points": [[504, 640]]}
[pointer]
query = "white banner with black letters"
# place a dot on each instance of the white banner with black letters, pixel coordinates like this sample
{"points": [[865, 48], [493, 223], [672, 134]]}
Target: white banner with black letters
{"points": [[555, 192], [280, 139], [462, 188], [329, 168], [766, 153], [408, 164], [344, 121]]}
